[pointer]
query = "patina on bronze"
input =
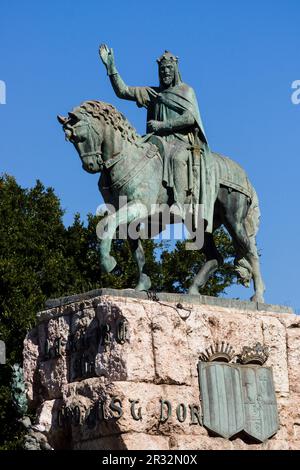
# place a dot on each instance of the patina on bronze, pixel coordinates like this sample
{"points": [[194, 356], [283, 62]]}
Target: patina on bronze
{"points": [[172, 164], [238, 397]]}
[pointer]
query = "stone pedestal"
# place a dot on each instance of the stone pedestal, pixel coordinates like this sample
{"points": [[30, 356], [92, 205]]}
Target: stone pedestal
{"points": [[115, 370]]}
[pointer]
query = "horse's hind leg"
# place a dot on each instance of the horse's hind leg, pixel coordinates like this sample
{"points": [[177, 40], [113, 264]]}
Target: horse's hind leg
{"points": [[235, 214], [155, 226], [253, 258], [136, 246], [246, 247], [213, 261]]}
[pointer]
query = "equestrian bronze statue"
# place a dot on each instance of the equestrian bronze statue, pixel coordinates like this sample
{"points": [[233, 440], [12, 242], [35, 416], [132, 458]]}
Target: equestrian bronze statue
{"points": [[172, 165]]}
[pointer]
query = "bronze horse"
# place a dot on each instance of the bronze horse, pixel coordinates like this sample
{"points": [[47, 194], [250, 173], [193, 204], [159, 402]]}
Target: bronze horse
{"points": [[132, 167]]}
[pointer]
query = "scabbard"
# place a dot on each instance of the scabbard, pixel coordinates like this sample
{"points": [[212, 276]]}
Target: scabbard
{"points": [[196, 154]]}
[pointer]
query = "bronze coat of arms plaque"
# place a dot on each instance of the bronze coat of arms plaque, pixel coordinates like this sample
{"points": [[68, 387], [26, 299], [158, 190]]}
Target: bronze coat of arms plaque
{"points": [[238, 398]]}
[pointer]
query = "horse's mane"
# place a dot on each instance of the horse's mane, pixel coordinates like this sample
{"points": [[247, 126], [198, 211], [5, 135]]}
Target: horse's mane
{"points": [[111, 116]]}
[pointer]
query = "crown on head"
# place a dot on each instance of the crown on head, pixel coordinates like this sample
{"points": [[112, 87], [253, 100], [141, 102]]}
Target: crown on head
{"points": [[167, 57], [220, 352], [258, 354]]}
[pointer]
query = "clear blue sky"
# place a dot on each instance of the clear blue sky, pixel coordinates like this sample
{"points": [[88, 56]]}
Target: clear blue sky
{"points": [[241, 57]]}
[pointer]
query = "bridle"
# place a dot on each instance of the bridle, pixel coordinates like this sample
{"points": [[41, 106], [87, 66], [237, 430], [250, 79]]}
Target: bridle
{"points": [[94, 153], [115, 158]]}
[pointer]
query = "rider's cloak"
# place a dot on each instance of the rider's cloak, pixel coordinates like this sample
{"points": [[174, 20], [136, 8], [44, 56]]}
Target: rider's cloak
{"points": [[167, 105]]}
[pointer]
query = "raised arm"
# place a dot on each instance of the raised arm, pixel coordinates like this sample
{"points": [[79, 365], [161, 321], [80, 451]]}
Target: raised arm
{"points": [[142, 95], [120, 88]]}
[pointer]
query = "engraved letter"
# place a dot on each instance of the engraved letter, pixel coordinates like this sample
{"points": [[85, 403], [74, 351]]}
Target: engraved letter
{"points": [[116, 405], [138, 416], [181, 412], [195, 415], [166, 403]]}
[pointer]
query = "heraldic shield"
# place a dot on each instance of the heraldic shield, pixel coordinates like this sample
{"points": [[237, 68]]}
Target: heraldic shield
{"points": [[238, 398], [261, 416], [222, 401]]}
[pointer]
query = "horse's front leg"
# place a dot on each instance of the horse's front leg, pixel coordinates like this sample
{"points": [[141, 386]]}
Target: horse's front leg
{"points": [[107, 227], [213, 262], [144, 282]]}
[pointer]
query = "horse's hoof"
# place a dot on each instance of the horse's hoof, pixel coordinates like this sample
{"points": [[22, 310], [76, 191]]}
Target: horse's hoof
{"points": [[193, 290], [108, 263], [144, 283], [258, 298]]}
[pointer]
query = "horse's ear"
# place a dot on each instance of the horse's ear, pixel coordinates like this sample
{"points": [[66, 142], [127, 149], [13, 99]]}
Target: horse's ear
{"points": [[61, 119], [73, 115]]}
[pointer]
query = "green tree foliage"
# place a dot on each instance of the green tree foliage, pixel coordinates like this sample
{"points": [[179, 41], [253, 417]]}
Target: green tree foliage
{"points": [[180, 266], [40, 258]]}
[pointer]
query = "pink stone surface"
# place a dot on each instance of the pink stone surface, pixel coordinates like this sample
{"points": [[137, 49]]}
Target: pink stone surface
{"points": [[157, 361]]}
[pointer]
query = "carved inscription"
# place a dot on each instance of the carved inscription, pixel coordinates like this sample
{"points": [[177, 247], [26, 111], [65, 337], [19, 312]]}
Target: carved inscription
{"points": [[114, 409], [80, 348]]}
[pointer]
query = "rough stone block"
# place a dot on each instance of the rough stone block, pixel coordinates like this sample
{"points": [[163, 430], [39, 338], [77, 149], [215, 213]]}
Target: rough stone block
{"points": [[275, 337], [293, 356], [105, 370]]}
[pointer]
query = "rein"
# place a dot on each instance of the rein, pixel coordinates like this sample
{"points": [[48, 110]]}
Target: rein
{"points": [[116, 158], [152, 151], [95, 153]]}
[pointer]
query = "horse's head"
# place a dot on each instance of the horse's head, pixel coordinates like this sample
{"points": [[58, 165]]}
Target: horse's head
{"points": [[98, 131], [83, 130]]}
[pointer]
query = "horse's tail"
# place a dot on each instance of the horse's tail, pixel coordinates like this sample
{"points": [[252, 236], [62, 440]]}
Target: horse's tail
{"points": [[242, 266]]}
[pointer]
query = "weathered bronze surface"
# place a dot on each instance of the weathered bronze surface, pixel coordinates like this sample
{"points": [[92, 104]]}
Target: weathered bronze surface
{"points": [[221, 352], [257, 354], [261, 415], [222, 403], [238, 398], [172, 165]]}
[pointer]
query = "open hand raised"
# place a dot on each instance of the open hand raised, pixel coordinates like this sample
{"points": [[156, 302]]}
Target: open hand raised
{"points": [[106, 55]]}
